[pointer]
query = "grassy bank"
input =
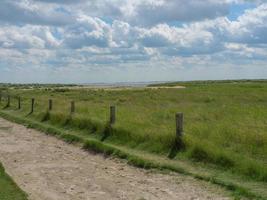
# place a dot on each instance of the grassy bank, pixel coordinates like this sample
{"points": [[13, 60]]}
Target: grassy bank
{"points": [[225, 122], [8, 189]]}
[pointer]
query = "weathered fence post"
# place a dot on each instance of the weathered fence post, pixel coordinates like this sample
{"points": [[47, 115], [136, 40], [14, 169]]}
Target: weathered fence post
{"points": [[50, 107], [72, 107], [178, 142], [32, 105], [179, 125], [19, 104], [112, 115], [8, 101]]}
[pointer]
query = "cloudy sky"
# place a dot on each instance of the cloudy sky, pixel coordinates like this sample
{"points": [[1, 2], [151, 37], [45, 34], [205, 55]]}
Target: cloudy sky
{"points": [[85, 41]]}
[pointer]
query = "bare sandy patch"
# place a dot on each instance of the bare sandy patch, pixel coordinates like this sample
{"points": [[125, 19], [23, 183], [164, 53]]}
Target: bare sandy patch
{"points": [[169, 87]]}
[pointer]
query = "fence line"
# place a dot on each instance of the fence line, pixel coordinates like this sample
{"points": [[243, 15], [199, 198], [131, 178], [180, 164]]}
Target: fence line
{"points": [[179, 117]]}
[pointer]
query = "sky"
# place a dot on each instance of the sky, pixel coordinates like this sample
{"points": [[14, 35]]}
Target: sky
{"points": [[82, 41]]}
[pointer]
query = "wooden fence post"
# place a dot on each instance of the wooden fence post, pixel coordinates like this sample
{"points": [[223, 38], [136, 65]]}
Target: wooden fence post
{"points": [[19, 105], [72, 107], [112, 115], [179, 125], [8, 101], [50, 107], [32, 105]]}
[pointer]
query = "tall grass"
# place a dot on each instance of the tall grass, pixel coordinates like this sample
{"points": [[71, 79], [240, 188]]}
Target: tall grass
{"points": [[225, 122]]}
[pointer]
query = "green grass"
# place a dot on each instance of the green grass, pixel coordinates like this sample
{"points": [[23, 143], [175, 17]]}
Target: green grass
{"points": [[8, 189], [225, 122]]}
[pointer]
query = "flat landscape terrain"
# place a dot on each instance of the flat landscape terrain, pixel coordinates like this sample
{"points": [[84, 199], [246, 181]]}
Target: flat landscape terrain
{"points": [[225, 125]]}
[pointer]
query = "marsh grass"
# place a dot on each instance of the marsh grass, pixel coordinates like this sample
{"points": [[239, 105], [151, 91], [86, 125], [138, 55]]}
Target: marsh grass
{"points": [[225, 122]]}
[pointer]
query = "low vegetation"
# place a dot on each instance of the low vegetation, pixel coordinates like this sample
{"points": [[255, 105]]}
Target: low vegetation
{"points": [[225, 122]]}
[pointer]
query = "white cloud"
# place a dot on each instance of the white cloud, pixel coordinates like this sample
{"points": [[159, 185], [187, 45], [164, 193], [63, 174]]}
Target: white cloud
{"points": [[26, 12], [147, 12], [61, 1], [27, 37], [251, 27], [117, 33], [151, 12], [88, 31]]}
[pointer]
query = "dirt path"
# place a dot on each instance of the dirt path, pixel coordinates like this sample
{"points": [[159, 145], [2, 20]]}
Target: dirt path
{"points": [[49, 169], [168, 87]]}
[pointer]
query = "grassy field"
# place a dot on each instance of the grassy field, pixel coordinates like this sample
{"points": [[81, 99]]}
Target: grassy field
{"points": [[8, 189], [225, 122]]}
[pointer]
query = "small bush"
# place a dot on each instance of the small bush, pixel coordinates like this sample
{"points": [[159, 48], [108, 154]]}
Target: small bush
{"points": [[62, 90]]}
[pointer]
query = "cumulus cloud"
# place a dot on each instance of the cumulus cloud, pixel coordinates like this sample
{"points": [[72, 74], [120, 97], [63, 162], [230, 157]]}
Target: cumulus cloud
{"points": [[25, 12], [152, 12], [147, 12], [61, 1], [53, 34], [88, 31], [251, 27], [27, 37], [207, 36]]}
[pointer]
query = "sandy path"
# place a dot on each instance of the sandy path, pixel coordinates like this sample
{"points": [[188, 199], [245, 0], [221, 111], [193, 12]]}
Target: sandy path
{"points": [[49, 169], [168, 87]]}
